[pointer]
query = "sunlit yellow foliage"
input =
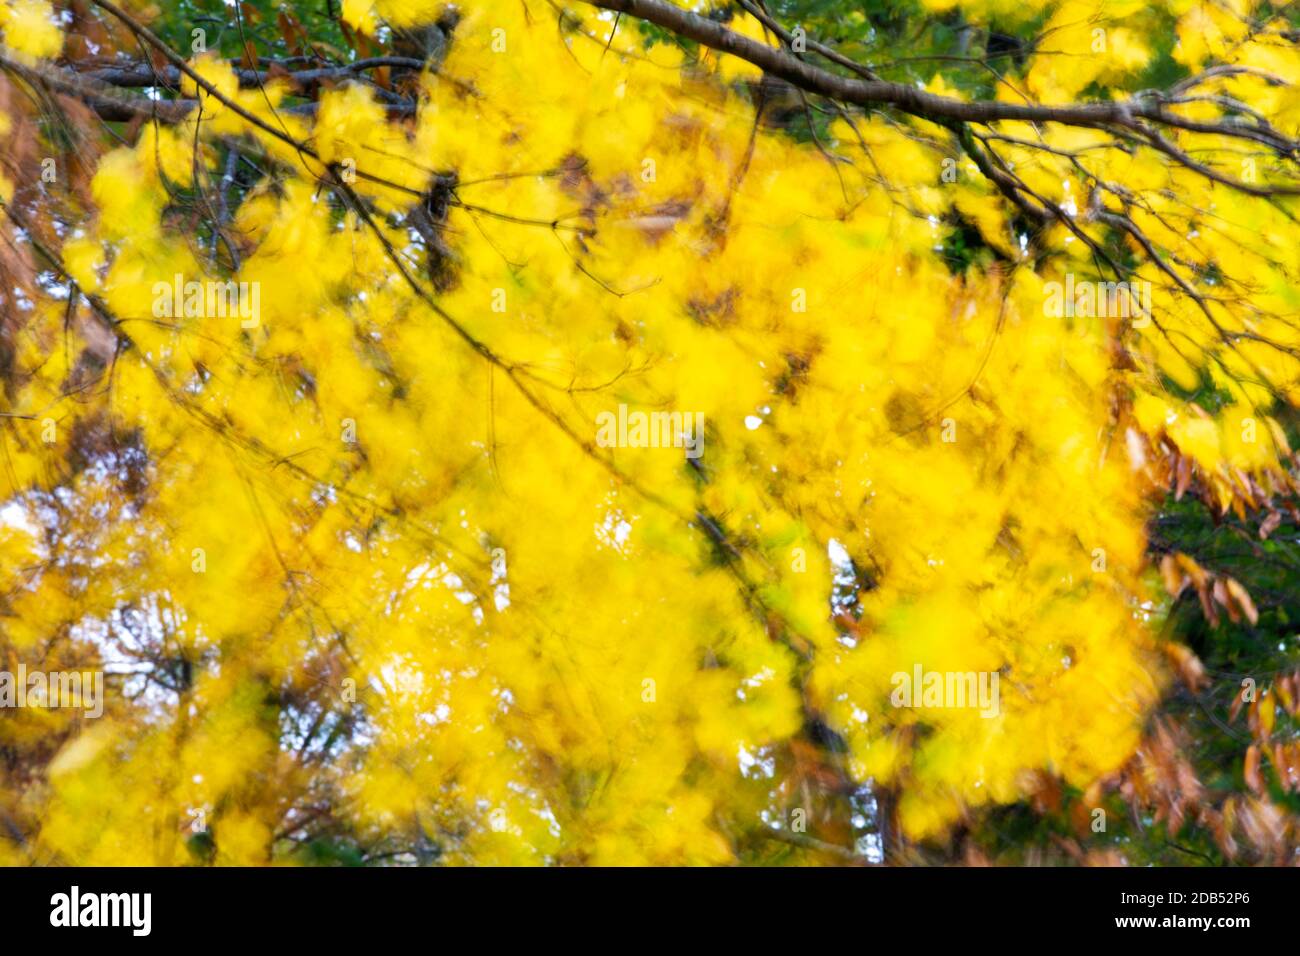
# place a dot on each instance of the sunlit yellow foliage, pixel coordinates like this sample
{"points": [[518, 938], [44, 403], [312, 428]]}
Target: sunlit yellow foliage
{"points": [[377, 531], [28, 27]]}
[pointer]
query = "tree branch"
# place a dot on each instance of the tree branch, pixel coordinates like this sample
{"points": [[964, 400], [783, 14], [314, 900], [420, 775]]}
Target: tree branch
{"points": [[918, 102]]}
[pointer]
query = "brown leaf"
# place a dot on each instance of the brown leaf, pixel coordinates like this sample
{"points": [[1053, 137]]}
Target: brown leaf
{"points": [[1184, 472], [1220, 591], [1281, 764], [1251, 769], [1189, 665], [1207, 605], [1242, 599], [1237, 702]]}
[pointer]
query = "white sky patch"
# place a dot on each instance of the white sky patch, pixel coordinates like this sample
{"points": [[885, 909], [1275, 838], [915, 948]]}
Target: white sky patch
{"points": [[754, 764], [615, 531]]}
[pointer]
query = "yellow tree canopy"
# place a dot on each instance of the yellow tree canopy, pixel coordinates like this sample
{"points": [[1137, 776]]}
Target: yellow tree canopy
{"points": [[321, 400]]}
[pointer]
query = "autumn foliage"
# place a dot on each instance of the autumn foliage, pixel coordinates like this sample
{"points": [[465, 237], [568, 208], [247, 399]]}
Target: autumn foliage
{"points": [[366, 586]]}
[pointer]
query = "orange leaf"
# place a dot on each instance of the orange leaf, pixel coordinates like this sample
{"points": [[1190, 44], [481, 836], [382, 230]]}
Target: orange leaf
{"points": [[1251, 769], [1173, 577], [1242, 598]]}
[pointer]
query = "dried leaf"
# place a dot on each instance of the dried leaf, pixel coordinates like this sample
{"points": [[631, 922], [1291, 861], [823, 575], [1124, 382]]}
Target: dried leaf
{"points": [[1242, 599], [1250, 770]]}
